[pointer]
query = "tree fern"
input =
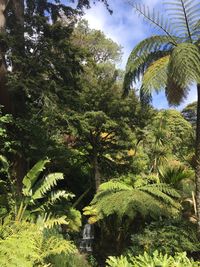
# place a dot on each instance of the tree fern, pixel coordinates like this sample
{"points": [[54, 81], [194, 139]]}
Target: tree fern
{"points": [[184, 68], [179, 44], [120, 199]]}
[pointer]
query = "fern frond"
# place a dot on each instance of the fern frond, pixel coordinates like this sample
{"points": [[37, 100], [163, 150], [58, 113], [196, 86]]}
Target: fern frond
{"points": [[154, 200], [184, 68], [55, 245], [155, 77], [32, 176], [143, 55], [58, 195], [49, 221], [46, 184], [161, 187], [113, 186], [155, 18], [165, 194], [153, 44], [184, 14], [175, 93]]}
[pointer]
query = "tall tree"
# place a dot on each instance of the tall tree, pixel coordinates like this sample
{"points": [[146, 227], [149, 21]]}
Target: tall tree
{"points": [[170, 60]]}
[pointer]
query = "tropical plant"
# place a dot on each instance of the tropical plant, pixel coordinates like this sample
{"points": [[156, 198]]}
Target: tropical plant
{"points": [[38, 201], [171, 60], [154, 260], [25, 244], [166, 236], [116, 197], [35, 193], [118, 262]]}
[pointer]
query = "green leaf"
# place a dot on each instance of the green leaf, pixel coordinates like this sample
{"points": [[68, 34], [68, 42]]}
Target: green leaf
{"points": [[31, 177]]}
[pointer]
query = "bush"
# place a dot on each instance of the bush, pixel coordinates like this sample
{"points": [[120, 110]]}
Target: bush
{"points": [[155, 260], [68, 260], [166, 237], [27, 245]]}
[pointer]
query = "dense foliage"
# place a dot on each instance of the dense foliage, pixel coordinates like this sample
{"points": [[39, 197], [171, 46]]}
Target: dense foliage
{"points": [[73, 148]]}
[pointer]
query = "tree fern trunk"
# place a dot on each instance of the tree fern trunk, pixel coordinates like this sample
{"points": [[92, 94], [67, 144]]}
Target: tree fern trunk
{"points": [[97, 176], [197, 171]]}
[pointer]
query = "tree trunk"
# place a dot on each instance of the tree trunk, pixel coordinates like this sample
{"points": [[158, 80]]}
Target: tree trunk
{"points": [[97, 176], [4, 94], [197, 171], [18, 11]]}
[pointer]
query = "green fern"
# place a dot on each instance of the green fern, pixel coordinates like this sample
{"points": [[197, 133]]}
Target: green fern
{"points": [[155, 77], [46, 184], [50, 221], [58, 195], [180, 43], [118, 198], [27, 245]]}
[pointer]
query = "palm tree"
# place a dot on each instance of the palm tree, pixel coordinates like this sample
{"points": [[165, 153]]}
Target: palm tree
{"points": [[171, 60]]}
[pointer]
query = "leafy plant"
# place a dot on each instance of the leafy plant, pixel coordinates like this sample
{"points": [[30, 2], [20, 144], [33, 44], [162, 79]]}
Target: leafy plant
{"points": [[170, 61], [154, 260], [167, 236], [116, 197], [25, 244], [118, 262]]}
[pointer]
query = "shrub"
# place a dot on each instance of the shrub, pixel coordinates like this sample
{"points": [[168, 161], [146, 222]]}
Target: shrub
{"points": [[167, 236], [157, 259]]}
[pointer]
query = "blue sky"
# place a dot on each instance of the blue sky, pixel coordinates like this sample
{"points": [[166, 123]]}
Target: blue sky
{"points": [[127, 29]]}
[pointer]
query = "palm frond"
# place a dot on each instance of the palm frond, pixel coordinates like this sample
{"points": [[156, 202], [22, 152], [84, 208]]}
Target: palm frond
{"points": [[155, 77], [32, 176], [46, 184]]}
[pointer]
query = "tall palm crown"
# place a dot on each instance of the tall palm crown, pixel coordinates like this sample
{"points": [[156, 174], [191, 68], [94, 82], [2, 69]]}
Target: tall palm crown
{"points": [[169, 61]]}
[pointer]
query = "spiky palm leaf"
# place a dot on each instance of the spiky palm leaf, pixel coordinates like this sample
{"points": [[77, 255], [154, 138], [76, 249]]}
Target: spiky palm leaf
{"points": [[181, 67]]}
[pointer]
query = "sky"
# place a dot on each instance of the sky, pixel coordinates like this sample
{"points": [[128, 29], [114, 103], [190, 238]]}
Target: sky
{"points": [[126, 28]]}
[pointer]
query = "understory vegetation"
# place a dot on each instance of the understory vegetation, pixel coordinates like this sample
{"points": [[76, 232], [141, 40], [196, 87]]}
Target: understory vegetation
{"points": [[82, 148]]}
